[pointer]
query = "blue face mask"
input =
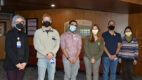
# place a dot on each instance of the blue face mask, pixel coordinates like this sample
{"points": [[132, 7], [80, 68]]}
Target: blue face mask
{"points": [[72, 28]]}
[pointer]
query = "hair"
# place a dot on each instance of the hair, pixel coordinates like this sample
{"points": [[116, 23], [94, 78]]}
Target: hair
{"points": [[128, 27], [15, 18], [72, 21], [111, 21], [91, 37], [46, 15]]}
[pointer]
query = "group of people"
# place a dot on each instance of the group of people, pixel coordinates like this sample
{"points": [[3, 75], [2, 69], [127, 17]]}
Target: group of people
{"points": [[108, 47]]}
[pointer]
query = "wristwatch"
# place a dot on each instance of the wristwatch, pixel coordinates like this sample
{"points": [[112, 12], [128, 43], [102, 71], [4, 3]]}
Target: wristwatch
{"points": [[68, 58], [116, 55]]}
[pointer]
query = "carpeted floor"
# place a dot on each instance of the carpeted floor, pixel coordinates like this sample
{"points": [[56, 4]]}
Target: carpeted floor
{"points": [[31, 74]]}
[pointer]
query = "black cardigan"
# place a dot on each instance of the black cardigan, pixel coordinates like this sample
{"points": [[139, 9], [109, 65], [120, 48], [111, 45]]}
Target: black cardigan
{"points": [[15, 55]]}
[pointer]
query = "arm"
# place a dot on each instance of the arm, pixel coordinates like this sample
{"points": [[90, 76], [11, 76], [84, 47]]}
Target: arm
{"points": [[100, 51], [118, 45], [56, 48], [86, 48], [78, 53], [105, 48], [26, 50], [63, 46], [65, 53], [136, 54], [106, 51], [136, 51], [79, 47], [79, 50], [118, 48], [23, 65], [9, 50], [38, 45]]}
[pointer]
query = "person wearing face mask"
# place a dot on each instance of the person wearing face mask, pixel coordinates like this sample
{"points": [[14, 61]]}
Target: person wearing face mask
{"points": [[112, 47], [128, 55], [46, 42], [17, 50], [71, 46], [93, 47]]}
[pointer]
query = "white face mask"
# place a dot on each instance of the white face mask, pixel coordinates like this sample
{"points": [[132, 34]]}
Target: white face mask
{"points": [[95, 32], [128, 34]]}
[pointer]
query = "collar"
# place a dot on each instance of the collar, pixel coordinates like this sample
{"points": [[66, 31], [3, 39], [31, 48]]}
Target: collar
{"points": [[71, 32], [113, 34], [16, 30], [129, 41], [43, 29]]}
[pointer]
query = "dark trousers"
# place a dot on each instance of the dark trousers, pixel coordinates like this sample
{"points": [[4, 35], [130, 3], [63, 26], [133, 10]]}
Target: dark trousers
{"points": [[127, 70], [15, 74]]}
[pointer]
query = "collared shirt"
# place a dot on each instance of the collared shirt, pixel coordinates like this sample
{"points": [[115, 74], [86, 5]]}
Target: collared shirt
{"points": [[111, 42], [93, 49], [45, 42], [129, 50], [71, 42]]}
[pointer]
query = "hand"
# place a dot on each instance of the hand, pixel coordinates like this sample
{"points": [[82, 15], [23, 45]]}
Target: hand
{"points": [[135, 62], [74, 60], [119, 60], [110, 57], [23, 65], [19, 66], [71, 60], [93, 60], [49, 56], [113, 56]]}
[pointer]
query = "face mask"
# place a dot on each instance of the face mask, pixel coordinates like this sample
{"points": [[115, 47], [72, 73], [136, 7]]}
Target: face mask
{"points": [[128, 34], [95, 32], [72, 28], [111, 27], [20, 26], [46, 23]]}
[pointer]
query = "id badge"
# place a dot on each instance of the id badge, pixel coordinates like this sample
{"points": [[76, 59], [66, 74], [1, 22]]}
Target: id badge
{"points": [[115, 59], [52, 61], [54, 39], [18, 44]]}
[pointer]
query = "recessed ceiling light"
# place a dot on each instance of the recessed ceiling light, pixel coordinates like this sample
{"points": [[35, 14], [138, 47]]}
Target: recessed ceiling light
{"points": [[52, 5]]}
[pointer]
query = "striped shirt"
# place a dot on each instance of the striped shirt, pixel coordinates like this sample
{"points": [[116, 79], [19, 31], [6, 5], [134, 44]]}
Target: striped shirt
{"points": [[129, 50]]}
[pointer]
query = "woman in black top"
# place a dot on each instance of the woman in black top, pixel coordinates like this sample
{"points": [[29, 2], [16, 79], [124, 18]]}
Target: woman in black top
{"points": [[17, 51]]}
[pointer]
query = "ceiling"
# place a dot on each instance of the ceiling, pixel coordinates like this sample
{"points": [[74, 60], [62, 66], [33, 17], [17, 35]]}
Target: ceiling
{"points": [[116, 6]]}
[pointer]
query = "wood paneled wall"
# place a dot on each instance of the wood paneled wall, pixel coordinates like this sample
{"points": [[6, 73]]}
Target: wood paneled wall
{"points": [[2, 39], [60, 16], [135, 21]]}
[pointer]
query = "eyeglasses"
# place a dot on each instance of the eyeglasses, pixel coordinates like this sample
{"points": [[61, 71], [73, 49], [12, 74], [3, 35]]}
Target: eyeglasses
{"points": [[73, 24], [19, 22]]}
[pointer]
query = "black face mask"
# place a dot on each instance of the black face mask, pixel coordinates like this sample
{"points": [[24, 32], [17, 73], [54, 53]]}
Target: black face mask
{"points": [[20, 26], [111, 27], [46, 23]]}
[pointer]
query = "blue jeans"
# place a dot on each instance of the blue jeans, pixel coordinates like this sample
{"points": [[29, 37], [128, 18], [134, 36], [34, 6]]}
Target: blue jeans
{"points": [[43, 65], [109, 64]]}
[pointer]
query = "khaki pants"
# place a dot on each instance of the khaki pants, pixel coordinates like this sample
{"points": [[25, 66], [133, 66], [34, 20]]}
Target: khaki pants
{"points": [[92, 68], [70, 69]]}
